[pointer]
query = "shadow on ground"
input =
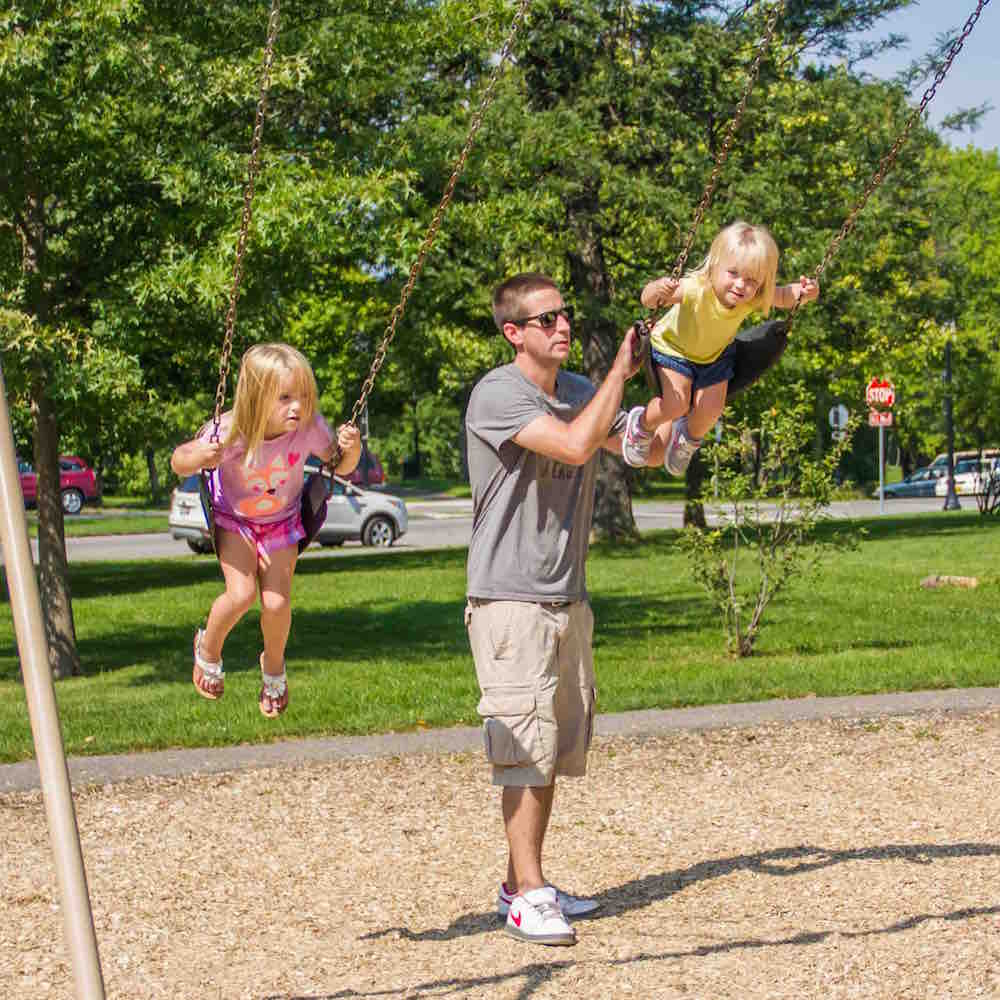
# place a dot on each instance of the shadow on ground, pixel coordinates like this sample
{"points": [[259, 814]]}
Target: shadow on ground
{"points": [[782, 862]]}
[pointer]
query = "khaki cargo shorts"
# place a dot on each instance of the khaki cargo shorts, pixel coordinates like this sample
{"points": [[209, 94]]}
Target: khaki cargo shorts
{"points": [[535, 667]]}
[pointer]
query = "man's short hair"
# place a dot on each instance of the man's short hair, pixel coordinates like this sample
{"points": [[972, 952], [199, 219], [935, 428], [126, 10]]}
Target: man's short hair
{"points": [[508, 297]]}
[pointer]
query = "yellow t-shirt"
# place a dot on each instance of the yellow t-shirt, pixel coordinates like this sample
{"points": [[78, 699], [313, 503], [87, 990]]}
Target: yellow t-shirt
{"points": [[699, 327]]}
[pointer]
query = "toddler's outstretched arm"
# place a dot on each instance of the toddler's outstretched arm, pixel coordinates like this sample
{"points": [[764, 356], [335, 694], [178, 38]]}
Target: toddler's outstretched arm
{"points": [[195, 455], [661, 292], [805, 289]]}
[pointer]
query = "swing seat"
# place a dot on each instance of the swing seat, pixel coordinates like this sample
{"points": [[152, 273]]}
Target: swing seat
{"points": [[315, 497], [757, 350]]}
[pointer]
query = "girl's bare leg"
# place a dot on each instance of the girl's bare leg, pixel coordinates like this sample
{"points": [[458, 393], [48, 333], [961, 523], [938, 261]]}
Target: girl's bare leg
{"points": [[238, 560], [673, 402], [276, 607], [706, 409]]}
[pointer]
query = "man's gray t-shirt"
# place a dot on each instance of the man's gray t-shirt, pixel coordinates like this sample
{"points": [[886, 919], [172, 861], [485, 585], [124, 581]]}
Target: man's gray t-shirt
{"points": [[531, 514]]}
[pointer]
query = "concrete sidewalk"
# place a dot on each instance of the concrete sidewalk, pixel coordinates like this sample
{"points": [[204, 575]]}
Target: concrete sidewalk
{"points": [[101, 770]]}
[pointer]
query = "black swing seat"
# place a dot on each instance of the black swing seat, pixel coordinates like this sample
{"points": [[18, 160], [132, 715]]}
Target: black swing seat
{"points": [[315, 497], [757, 350]]}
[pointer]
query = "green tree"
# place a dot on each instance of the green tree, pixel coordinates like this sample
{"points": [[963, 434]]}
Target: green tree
{"points": [[127, 130]]}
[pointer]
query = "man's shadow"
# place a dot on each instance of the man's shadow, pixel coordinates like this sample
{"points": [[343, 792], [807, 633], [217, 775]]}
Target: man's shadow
{"points": [[535, 975], [782, 862]]}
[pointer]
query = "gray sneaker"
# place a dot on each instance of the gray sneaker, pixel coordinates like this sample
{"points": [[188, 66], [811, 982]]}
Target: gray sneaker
{"points": [[680, 448], [535, 916], [635, 441], [571, 906]]}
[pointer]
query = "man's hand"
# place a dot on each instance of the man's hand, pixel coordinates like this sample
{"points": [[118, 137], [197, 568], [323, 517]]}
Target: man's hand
{"points": [[628, 360]]}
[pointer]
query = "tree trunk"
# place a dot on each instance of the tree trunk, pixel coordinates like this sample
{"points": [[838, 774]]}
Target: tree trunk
{"points": [[154, 476], [694, 509], [591, 285], [53, 569]]}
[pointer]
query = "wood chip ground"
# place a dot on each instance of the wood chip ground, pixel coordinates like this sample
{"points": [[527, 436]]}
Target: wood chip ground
{"points": [[823, 859]]}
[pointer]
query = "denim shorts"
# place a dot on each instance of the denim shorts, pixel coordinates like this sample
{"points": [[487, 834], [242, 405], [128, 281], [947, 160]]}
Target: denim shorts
{"points": [[719, 370]]}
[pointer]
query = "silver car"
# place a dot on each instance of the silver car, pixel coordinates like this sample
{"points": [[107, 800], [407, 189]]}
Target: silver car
{"points": [[353, 514]]}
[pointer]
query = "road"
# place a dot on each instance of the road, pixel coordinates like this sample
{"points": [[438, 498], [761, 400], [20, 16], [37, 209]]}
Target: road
{"points": [[438, 524]]}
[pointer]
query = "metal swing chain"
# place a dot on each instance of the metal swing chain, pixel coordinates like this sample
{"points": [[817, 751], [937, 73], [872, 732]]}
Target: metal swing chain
{"points": [[253, 168], [733, 18], [885, 164], [727, 142], [428, 241]]}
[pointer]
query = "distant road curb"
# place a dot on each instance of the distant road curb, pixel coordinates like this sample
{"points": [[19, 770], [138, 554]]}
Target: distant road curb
{"points": [[103, 770]]}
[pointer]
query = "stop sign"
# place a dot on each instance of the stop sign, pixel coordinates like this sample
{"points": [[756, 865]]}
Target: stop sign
{"points": [[880, 392]]}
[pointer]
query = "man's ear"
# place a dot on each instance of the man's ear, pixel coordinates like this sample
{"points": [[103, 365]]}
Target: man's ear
{"points": [[514, 334]]}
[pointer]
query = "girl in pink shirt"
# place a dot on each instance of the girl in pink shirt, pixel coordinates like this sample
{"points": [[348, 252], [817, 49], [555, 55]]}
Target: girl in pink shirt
{"points": [[258, 451]]}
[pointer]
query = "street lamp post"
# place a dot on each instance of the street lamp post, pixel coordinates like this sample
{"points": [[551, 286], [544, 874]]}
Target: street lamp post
{"points": [[951, 497]]}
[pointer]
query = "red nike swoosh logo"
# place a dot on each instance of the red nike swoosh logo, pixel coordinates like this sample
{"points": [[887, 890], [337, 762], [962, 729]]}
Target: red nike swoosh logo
{"points": [[516, 917]]}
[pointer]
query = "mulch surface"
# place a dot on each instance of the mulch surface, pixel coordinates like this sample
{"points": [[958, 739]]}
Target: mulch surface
{"points": [[815, 859]]}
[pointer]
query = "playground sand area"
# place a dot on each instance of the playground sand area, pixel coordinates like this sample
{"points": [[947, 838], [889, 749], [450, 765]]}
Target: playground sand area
{"points": [[828, 859]]}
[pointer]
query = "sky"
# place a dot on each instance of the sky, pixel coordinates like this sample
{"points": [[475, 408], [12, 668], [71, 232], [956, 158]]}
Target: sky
{"points": [[974, 76]]}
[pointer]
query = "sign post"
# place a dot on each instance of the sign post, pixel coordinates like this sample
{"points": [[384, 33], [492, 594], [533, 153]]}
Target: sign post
{"points": [[879, 393]]}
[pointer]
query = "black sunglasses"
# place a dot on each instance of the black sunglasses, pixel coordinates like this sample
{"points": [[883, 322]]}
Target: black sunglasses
{"points": [[547, 318]]}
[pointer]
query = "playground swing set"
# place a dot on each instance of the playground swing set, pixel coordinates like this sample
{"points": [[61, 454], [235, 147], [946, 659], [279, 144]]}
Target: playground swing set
{"points": [[758, 349]]}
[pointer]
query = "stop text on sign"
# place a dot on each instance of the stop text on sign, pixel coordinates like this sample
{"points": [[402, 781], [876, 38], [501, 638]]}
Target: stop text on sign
{"points": [[880, 392]]}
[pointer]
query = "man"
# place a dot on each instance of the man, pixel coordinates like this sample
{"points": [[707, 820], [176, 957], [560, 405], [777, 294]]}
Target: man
{"points": [[534, 433]]}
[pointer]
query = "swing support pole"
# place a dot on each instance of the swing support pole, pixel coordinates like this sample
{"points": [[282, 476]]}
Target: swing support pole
{"points": [[78, 921]]}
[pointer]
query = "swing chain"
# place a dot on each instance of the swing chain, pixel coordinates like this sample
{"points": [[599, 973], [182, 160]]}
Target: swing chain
{"points": [[727, 142], [253, 168], [733, 18], [887, 161], [428, 241]]}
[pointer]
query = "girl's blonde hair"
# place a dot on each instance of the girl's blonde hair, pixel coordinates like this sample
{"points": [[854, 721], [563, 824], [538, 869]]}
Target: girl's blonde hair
{"points": [[753, 248], [258, 387]]}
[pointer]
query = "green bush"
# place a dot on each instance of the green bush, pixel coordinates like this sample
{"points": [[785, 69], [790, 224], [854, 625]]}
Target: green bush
{"points": [[429, 428]]}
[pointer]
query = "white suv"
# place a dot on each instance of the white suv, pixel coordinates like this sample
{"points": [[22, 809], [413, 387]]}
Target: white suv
{"points": [[971, 476], [352, 514]]}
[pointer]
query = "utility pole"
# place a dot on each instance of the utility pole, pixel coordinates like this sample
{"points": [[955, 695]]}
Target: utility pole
{"points": [[951, 497]]}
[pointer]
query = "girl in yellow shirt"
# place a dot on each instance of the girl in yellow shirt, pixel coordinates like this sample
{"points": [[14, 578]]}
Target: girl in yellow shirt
{"points": [[691, 347]]}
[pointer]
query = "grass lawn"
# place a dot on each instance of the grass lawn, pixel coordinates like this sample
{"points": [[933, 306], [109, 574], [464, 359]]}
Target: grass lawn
{"points": [[378, 642], [107, 523]]}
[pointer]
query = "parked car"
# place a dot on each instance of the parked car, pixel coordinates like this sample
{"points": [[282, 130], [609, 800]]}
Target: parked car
{"points": [[77, 483], [971, 476], [353, 514], [941, 461], [917, 484], [369, 471]]}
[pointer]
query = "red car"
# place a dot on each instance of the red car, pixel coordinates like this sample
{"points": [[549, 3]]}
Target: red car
{"points": [[369, 471], [77, 483]]}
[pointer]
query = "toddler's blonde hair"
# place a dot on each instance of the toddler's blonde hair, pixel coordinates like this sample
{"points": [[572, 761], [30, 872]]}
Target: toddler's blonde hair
{"points": [[259, 386], [752, 247]]}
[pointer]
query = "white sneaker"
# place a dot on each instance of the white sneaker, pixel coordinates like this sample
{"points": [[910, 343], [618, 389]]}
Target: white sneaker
{"points": [[635, 441], [571, 906], [535, 916], [680, 448]]}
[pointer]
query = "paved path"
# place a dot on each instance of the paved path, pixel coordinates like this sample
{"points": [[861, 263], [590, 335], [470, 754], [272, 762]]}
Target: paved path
{"points": [[101, 770]]}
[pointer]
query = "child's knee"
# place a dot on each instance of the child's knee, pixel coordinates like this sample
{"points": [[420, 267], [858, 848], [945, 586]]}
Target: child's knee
{"points": [[274, 602], [241, 598]]}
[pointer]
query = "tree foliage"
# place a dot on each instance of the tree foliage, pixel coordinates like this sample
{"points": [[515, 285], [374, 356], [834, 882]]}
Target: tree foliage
{"points": [[128, 125]]}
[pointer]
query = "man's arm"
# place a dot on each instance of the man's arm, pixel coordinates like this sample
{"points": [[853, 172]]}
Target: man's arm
{"points": [[574, 443]]}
